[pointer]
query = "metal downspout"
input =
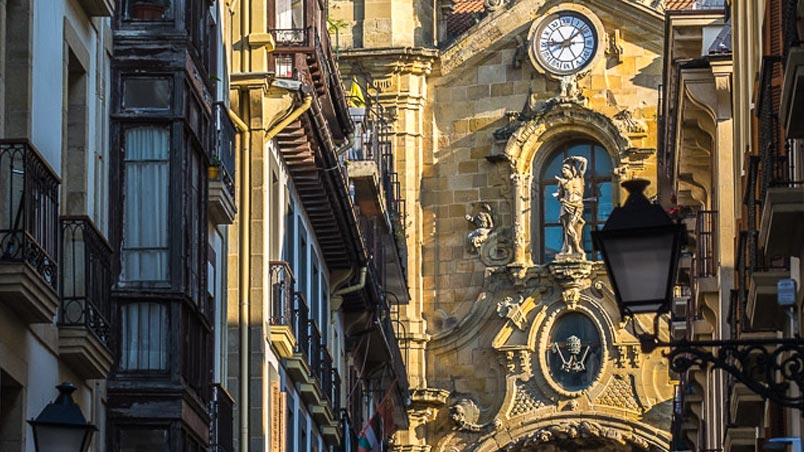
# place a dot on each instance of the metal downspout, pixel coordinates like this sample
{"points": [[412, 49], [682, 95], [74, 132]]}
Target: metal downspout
{"points": [[294, 115], [245, 271]]}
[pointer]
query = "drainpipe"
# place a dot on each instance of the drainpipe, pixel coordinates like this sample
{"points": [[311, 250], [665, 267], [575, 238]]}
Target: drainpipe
{"points": [[245, 272], [294, 115], [356, 287], [349, 142]]}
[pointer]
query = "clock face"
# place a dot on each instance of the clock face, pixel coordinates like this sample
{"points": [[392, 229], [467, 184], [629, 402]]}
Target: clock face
{"points": [[565, 42]]}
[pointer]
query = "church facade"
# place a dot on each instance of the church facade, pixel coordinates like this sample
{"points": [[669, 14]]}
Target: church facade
{"points": [[513, 124]]}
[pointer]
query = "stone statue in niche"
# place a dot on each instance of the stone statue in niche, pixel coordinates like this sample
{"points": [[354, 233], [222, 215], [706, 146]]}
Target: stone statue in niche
{"points": [[484, 223], [570, 195]]}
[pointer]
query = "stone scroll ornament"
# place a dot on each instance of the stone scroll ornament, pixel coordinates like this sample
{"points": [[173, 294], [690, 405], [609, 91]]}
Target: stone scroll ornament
{"points": [[570, 195]]}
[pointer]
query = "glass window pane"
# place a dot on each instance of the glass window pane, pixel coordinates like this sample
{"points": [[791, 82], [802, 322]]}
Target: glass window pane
{"points": [[587, 240], [552, 208], [144, 336], [146, 93], [553, 238], [552, 168], [604, 201], [145, 237], [580, 150], [603, 166]]}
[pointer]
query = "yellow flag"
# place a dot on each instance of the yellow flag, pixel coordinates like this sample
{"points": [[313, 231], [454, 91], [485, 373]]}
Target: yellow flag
{"points": [[356, 98]]}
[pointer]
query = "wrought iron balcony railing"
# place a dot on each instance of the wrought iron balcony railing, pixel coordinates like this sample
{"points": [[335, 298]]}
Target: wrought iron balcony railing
{"points": [[29, 209], [705, 263], [86, 278], [282, 294], [770, 148], [221, 427], [224, 150]]}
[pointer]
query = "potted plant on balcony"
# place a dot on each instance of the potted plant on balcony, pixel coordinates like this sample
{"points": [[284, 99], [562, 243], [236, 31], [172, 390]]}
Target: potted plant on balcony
{"points": [[214, 168], [149, 9]]}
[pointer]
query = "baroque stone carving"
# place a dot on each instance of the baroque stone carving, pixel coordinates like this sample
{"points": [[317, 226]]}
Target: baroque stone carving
{"points": [[570, 196], [614, 47], [484, 224], [626, 122], [576, 354], [512, 309], [525, 400], [572, 275], [572, 430], [493, 5], [464, 414], [620, 393]]}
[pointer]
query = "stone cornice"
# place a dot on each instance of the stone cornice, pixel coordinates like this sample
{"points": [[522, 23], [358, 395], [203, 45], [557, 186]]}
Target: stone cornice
{"points": [[502, 23]]}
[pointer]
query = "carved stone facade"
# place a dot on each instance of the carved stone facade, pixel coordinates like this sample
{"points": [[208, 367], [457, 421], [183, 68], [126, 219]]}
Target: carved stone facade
{"points": [[530, 353]]}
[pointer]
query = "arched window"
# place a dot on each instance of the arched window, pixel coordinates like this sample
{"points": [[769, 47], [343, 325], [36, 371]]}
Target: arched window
{"points": [[597, 196]]}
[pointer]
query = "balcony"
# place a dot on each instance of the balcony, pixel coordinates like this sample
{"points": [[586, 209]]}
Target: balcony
{"points": [[221, 433], [740, 439], [377, 196], [85, 329], [791, 112], [298, 341], [221, 201], [29, 232], [283, 335], [746, 408], [781, 227]]}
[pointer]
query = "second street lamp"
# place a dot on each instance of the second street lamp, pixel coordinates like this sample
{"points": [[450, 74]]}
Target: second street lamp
{"points": [[640, 247], [61, 427]]}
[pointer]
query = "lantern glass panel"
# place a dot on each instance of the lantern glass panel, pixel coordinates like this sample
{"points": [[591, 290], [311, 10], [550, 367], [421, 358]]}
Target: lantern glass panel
{"points": [[640, 267], [52, 438]]}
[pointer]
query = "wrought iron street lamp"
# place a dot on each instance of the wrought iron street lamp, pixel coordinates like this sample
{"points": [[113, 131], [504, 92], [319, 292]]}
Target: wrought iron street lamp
{"points": [[61, 427], [640, 245]]}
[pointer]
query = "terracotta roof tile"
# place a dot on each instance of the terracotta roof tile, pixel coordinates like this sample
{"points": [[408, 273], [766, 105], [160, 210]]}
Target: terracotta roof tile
{"points": [[464, 14], [678, 4]]}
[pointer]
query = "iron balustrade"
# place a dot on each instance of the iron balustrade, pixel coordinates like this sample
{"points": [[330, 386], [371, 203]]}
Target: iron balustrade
{"points": [[221, 426], [336, 391], [705, 265], [768, 122], [224, 150], [86, 278], [300, 322], [29, 209], [315, 350], [282, 294]]}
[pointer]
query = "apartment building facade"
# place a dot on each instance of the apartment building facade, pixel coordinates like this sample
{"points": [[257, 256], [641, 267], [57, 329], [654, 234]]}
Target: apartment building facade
{"points": [[318, 266], [57, 320], [731, 168]]}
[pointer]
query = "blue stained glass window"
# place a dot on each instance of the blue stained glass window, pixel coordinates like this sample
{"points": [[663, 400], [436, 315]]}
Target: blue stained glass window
{"points": [[598, 196]]}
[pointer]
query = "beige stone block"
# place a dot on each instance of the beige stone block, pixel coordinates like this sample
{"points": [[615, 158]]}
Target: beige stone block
{"points": [[502, 89], [469, 166], [478, 92]]}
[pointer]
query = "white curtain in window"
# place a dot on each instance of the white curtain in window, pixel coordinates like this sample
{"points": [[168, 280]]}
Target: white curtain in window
{"points": [[145, 214], [145, 341]]}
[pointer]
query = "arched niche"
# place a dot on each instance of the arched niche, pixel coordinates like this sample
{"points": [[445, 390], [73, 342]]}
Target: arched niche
{"points": [[536, 140]]}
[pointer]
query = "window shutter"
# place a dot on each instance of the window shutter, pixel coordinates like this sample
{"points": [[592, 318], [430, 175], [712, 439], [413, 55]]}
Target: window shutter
{"points": [[278, 404]]}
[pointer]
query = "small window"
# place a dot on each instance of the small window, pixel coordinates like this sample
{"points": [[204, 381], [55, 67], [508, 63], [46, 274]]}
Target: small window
{"points": [[143, 439], [283, 66], [149, 10], [146, 93], [145, 337]]}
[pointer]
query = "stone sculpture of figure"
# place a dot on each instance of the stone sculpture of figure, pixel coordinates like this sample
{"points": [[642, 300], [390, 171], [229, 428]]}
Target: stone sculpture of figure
{"points": [[484, 223], [570, 195]]}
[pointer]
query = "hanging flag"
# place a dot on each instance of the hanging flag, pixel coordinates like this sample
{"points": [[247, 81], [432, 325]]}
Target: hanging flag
{"points": [[369, 439], [356, 99]]}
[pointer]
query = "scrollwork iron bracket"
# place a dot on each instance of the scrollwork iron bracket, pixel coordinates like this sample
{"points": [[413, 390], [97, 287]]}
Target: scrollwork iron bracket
{"points": [[771, 368]]}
